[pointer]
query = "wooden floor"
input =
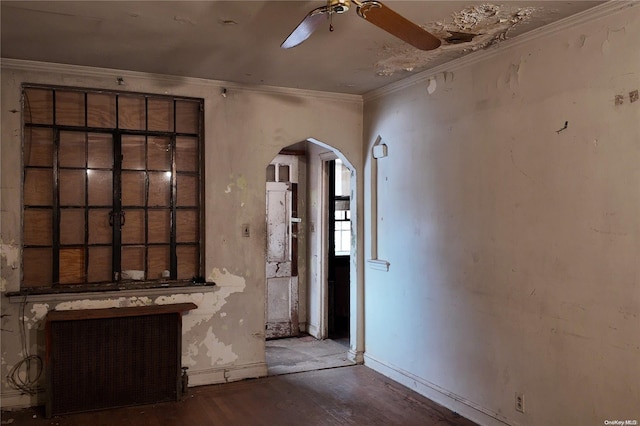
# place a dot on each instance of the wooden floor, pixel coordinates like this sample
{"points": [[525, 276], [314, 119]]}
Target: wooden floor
{"points": [[353, 395]]}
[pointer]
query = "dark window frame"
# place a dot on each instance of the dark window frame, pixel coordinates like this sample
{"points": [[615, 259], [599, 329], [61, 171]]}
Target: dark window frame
{"points": [[117, 209]]}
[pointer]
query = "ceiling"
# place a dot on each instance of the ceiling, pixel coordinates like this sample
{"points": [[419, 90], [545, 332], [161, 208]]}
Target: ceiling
{"points": [[239, 41]]}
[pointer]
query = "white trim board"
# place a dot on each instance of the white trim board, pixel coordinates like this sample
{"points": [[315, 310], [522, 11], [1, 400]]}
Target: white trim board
{"points": [[114, 74], [450, 400]]}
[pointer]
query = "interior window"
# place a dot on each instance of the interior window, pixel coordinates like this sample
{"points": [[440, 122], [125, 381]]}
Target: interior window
{"points": [[111, 188], [342, 210]]}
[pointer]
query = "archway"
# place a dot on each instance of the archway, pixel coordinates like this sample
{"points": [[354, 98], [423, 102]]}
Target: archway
{"points": [[312, 237]]}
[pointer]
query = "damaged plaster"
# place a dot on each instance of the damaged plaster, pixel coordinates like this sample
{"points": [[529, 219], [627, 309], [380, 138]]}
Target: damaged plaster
{"points": [[196, 323], [9, 259], [470, 29]]}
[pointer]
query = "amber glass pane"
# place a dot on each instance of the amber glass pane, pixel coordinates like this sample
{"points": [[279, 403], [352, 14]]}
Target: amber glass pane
{"points": [[100, 151], [38, 106], [38, 147], [187, 114], [101, 110], [187, 262], [72, 149], [38, 187], [158, 262], [159, 189], [131, 112], [187, 226], [187, 154], [187, 190], [132, 258], [72, 187], [72, 265], [70, 108], [37, 267], [159, 153], [133, 229], [160, 114], [133, 188], [99, 264], [38, 227], [100, 188], [100, 232], [72, 226], [133, 152], [159, 226]]}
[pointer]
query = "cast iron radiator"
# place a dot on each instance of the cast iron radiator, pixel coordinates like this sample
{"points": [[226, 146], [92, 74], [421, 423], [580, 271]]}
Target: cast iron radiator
{"points": [[104, 358]]}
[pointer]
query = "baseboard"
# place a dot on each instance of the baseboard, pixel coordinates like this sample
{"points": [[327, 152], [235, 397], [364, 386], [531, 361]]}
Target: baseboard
{"points": [[313, 330], [15, 400], [227, 374], [453, 402], [356, 356]]}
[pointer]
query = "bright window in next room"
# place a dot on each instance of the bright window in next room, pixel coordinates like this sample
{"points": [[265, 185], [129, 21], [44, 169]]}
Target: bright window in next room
{"points": [[111, 187]]}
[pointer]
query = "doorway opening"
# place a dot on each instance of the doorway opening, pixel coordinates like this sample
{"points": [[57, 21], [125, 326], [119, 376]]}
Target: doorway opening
{"points": [[339, 248], [311, 281]]}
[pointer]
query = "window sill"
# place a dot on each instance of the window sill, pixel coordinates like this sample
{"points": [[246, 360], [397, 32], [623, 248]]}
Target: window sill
{"points": [[378, 264], [106, 290]]}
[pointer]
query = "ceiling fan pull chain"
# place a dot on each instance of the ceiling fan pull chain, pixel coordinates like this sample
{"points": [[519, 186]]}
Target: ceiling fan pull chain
{"points": [[331, 21]]}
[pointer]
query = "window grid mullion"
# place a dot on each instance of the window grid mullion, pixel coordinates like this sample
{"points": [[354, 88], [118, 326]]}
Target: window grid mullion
{"points": [[173, 255], [55, 249], [86, 192], [117, 207]]}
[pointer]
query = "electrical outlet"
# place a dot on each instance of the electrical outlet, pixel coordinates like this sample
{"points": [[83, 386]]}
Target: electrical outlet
{"points": [[520, 402], [245, 230]]}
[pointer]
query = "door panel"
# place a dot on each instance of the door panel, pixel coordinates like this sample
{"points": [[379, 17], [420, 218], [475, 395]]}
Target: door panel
{"points": [[281, 270]]}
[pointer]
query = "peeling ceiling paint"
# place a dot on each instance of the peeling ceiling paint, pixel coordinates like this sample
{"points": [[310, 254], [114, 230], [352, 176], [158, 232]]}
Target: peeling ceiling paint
{"points": [[239, 41], [470, 29]]}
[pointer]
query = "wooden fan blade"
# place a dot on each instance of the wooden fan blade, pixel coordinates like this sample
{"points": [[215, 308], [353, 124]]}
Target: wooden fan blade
{"points": [[303, 31], [380, 15]]}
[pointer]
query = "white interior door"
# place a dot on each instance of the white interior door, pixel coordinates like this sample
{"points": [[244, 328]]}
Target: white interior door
{"points": [[281, 272]]}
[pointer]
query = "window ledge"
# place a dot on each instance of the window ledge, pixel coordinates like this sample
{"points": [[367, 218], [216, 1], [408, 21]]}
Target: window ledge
{"points": [[107, 290], [379, 264]]}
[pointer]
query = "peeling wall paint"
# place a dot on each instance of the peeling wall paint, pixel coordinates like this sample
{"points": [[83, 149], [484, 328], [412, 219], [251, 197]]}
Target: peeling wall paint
{"points": [[218, 352], [10, 254], [485, 25], [200, 342], [9, 258]]}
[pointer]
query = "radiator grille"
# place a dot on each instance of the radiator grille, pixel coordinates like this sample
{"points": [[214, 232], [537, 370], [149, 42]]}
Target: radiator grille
{"points": [[113, 362]]}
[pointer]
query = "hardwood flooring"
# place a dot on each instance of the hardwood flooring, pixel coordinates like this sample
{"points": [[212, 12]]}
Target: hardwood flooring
{"points": [[353, 395]]}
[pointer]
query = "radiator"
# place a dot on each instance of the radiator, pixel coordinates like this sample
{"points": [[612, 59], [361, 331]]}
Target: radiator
{"points": [[106, 358]]}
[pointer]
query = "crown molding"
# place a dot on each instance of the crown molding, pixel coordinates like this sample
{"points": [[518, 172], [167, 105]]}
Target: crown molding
{"points": [[169, 80], [603, 10]]}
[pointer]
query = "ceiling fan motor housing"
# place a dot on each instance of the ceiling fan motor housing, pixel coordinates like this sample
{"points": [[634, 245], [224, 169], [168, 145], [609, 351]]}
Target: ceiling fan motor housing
{"points": [[339, 6]]}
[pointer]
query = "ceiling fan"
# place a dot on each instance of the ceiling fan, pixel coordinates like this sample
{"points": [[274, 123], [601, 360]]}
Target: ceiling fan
{"points": [[370, 10]]}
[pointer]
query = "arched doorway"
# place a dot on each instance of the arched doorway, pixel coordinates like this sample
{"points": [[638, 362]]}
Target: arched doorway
{"points": [[309, 302]]}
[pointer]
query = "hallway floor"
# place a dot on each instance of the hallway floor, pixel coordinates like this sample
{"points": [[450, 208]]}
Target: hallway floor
{"points": [[298, 354]]}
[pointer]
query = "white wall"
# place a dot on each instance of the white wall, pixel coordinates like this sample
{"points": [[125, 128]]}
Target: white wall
{"points": [[224, 338], [514, 247]]}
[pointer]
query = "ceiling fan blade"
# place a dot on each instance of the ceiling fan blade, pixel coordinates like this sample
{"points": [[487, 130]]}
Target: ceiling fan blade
{"points": [[394, 23], [303, 31]]}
